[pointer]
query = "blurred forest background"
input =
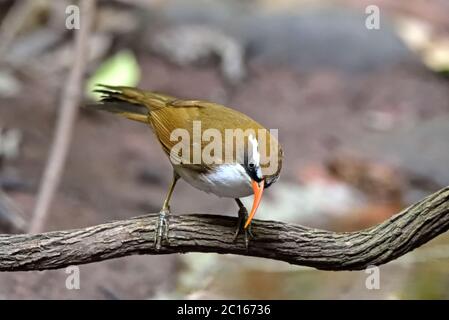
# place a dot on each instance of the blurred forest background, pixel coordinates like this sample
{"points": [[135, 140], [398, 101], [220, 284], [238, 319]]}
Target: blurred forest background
{"points": [[363, 117]]}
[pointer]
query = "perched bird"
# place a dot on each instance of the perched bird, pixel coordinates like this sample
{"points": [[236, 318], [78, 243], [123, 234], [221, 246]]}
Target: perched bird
{"points": [[212, 147]]}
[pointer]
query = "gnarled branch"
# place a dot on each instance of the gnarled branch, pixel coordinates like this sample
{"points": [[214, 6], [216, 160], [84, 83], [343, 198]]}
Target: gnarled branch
{"points": [[295, 244]]}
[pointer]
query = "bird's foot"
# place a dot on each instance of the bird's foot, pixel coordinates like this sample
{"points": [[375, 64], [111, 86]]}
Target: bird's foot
{"points": [[161, 231], [243, 216]]}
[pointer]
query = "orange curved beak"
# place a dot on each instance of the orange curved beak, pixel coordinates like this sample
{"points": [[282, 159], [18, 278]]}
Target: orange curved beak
{"points": [[258, 191]]}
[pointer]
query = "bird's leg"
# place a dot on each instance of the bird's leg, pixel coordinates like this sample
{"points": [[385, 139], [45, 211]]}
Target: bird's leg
{"points": [[243, 216], [161, 230]]}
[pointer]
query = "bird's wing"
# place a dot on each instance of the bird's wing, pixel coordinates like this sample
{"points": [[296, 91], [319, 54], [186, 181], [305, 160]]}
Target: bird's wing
{"points": [[194, 118]]}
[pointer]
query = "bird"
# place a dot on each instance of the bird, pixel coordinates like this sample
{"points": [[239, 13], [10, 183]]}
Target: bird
{"points": [[241, 170]]}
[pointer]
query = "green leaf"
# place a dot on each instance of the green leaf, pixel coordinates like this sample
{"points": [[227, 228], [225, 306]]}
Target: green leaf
{"points": [[121, 69]]}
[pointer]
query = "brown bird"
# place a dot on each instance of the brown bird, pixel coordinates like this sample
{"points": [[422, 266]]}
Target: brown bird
{"points": [[227, 161]]}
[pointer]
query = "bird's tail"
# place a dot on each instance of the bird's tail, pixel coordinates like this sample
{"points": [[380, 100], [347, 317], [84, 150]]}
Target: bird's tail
{"points": [[129, 102]]}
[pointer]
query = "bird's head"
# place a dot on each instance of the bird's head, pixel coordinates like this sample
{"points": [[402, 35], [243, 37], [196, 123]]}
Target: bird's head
{"points": [[255, 170]]}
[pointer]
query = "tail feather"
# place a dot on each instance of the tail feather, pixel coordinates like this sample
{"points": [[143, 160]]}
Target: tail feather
{"points": [[128, 110], [152, 101], [136, 104], [129, 102]]}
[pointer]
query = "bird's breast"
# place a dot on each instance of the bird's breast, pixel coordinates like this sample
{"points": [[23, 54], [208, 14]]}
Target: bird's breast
{"points": [[226, 180]]}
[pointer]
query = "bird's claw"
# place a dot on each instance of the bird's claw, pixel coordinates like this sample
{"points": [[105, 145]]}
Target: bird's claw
{"points": [[243, 215], [161, 230]]}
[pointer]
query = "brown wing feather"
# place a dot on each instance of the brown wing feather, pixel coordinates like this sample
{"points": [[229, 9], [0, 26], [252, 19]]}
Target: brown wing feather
{"points": [[211, 116]]}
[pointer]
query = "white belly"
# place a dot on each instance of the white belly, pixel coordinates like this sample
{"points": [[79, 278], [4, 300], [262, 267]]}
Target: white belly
{"points": [[227, 180]]}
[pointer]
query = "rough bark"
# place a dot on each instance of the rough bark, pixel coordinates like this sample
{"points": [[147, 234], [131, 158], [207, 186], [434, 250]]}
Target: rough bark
{"points": [[295, 244]]}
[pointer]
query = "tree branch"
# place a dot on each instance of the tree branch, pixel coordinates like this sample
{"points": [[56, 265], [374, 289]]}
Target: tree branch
{"points": [[295, 244]]}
